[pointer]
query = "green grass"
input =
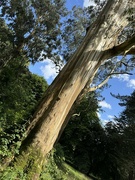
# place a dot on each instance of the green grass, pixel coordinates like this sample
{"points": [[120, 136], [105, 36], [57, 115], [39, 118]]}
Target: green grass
{"points": [[69, 173], [73, 174], [56, 168]]}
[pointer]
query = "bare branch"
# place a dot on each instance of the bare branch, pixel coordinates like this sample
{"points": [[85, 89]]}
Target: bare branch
{"points": [[116, 73], [76, 114], [103, 82], [108, 77], [125, 64], [100, 85]]}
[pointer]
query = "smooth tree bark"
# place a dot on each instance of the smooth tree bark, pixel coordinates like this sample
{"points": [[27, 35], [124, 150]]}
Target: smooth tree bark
{"points": [[98, 45]]}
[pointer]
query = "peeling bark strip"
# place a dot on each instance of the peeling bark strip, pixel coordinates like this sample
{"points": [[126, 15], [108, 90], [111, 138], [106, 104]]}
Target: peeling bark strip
{"points": [[63, 92]]}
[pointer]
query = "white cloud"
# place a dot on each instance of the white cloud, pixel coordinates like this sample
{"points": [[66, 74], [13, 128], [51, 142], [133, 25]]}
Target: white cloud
{"points": [[110, 117], [123, 77], [99, 115], [126, 78], [87, 3], [131, 83], [104, 122], [48, 69], [104, 104]]}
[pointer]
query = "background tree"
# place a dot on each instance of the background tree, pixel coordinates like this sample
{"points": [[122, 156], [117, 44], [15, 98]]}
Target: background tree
{"points": [[81, 134], [126, 125], [87, 145], [20, 94], [106, 152], [31, 28]]}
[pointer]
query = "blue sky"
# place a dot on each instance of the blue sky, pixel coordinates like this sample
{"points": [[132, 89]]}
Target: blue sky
{"points": [[123, 84]]}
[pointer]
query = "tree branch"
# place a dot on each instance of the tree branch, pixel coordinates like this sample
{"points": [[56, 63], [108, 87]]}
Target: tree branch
{"points": [[116, 73], [125, 48], [108, 77], [100, 85], [103, 82]]}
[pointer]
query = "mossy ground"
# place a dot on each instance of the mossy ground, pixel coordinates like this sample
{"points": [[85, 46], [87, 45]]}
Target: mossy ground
{"points": [[28, 166], [73, 174], [25, 166], [57, 169], [65, 172]]}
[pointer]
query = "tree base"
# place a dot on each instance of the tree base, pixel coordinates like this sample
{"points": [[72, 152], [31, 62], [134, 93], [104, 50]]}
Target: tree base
{"points": [[27, 165]]}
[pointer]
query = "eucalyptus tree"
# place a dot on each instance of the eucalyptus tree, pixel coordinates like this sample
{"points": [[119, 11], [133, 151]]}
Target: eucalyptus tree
{"points": [[82, 67], [109, 36]]}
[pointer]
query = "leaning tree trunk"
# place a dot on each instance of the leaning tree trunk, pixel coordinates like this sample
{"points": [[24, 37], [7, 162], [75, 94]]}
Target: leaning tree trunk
{"points": [[60, 96]]}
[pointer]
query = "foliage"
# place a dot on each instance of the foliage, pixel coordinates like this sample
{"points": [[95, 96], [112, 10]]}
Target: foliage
{"points": [[20, 93], [79, 133], [24, 166], [5, 45], [30, 28], [127, 117], [125, 125], [107, 152], [57, 169], [10, 174], [74, 26], [52, 169]]}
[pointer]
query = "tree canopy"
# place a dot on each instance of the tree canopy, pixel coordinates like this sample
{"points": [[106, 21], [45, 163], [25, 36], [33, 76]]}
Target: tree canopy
{"points": [[30, 28], [21, 91]]}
